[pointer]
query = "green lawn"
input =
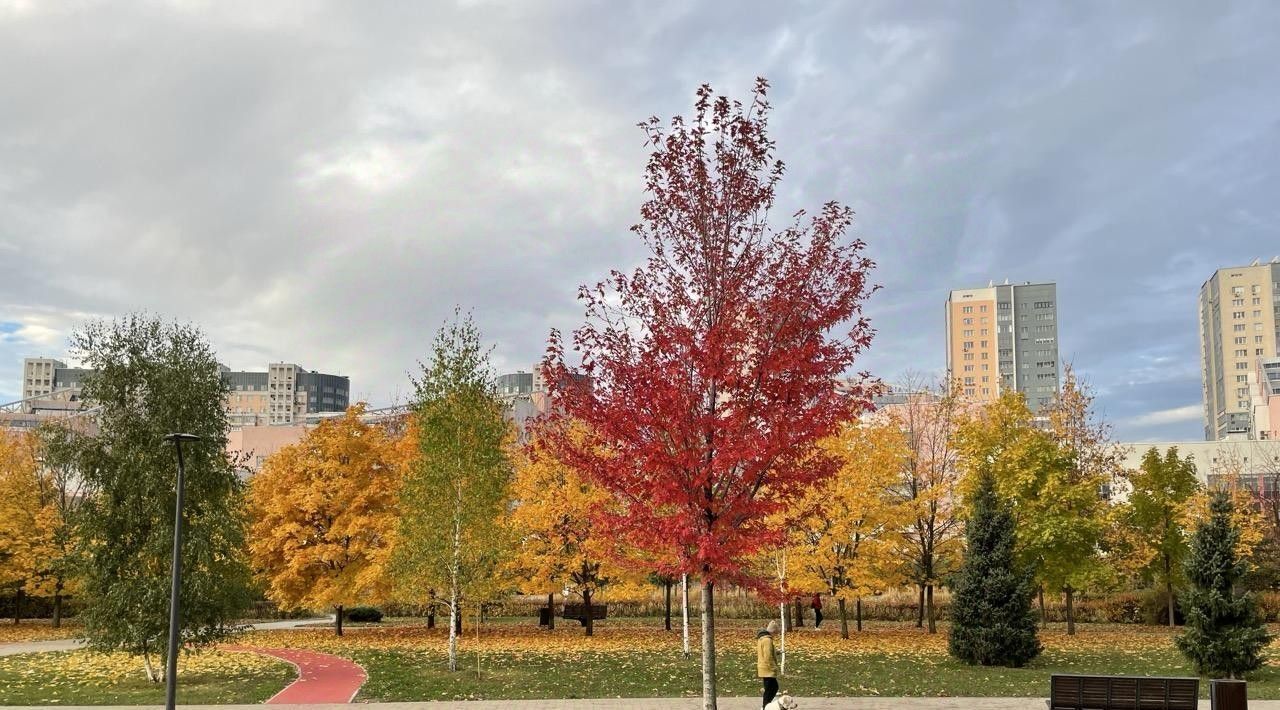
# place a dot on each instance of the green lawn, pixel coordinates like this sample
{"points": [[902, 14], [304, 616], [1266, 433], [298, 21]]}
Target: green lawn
{"points": [[86, 678], [422, 675]]}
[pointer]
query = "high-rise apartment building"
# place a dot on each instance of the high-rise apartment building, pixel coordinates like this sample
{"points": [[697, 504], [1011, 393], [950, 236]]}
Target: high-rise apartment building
{"points": [[1004, 337], [1239, 324], [281, 395]]}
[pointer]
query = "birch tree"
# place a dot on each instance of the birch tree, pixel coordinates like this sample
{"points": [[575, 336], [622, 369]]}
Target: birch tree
{"points": [[452, 540]]}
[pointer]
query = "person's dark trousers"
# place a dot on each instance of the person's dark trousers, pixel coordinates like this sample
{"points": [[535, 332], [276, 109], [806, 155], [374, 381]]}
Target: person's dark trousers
{"points": [[817, 618], [770, 690]]}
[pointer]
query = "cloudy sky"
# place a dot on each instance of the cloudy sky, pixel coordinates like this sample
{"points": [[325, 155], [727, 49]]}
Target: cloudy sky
{"points": [[322, 182]]}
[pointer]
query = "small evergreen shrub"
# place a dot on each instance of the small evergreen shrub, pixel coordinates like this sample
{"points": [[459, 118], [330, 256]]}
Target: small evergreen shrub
{"points": [[363, 614]]}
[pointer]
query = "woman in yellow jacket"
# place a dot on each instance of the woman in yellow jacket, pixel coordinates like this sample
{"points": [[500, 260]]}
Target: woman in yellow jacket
{"points": [[767, 661]]}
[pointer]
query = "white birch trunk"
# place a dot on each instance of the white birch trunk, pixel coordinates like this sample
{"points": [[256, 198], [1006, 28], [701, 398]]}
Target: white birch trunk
{"points": [[684, 610], [453, 584]]}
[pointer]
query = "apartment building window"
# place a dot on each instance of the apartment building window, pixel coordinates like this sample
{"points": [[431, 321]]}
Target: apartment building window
{"points": [[1006, 352], [1237, 315], [1044, 329], [968, 380], [1241, 340], [1005, 306], [1258, 352], [968, 356], [1257, 313], [1044, 304], [967, 309], [985, 342], [982, 308], [1242, 365], [984, 331], [968, 368], [1237, 302], [1242, 353], [969, 391], [968, 334], [1255, 289], [984, 356], [1237, 290], [1242, 378], [1238, 327], [968, 344], [985, 367], [986, 390], [1256, 301], [1257, 339], [1044, 316]]}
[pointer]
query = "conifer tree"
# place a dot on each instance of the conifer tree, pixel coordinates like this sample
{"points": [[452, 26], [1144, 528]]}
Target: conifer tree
{"points": [[1224, 635], [992, 622]]}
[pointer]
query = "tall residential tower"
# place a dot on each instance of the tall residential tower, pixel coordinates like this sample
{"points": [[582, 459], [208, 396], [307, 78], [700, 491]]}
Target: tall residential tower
{"points": [[1239, 325], [1004, 337]]}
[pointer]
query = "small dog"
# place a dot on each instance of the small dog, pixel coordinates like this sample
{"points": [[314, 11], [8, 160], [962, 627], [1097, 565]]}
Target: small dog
{"points": [[782, 702]]}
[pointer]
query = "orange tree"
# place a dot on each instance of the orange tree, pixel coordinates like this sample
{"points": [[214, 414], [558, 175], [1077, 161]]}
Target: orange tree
{"points": [[710, 368], [323, 515]]}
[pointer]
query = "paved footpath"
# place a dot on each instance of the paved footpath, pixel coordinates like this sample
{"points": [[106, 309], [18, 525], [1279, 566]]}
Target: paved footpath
{"points": [[13, 649], [679, 704], [322, 678]]}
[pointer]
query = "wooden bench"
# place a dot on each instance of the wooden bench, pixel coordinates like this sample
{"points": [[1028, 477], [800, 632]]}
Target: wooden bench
{"points": [[579, 612], [1088, 692]]}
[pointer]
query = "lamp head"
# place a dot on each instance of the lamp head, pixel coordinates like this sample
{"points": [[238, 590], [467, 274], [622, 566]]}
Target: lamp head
{"points": [[177, 437]]}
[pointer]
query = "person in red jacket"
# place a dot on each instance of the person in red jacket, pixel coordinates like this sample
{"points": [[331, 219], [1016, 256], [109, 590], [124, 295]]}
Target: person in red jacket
{"points": [[816, 605]]}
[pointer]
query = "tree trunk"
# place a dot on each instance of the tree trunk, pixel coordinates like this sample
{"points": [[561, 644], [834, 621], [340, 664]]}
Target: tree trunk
{"points": [[17, 605], [431, 617], [799, 614], [457, 624], [551, 611], [1044, 618], [57, 606], [1168, 589], [586, 610], [844, 620], [858, 611], [337, 621], [932, 616], [146, 663], [783, 612], [684, 610], [1071, 614], [453, 634], [668, 585], [920, 610], [708, 644]]}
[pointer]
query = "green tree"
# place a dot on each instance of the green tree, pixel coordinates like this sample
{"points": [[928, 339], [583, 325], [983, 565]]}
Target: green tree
{"points": [[1225, 635], [151, 378], [451, 536], [1055, 493], [991, 619], [1158, 510]]}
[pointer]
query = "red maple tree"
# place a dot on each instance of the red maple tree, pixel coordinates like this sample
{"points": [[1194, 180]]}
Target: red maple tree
{"points": [[712, 367]]}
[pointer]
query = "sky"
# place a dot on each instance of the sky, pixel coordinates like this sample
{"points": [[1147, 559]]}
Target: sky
{"points": [[322, 183]]}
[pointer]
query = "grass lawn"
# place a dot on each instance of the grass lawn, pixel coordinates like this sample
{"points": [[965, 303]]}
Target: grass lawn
{"points": [[635, 658], [84, 677]]}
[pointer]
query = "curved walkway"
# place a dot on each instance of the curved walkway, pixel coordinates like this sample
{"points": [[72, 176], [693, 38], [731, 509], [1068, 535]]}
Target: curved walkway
{"points": [[322, 678]]}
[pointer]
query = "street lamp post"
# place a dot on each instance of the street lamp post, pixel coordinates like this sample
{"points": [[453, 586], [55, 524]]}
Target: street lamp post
{"points": [[171, 666]]}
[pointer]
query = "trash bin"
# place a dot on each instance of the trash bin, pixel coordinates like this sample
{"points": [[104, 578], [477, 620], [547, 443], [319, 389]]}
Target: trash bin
{"points": [[544, 616], [1228, 695]]}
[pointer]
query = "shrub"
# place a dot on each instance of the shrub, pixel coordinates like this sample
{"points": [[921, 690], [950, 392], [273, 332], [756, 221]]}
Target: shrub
{"points": [[363, 614]]}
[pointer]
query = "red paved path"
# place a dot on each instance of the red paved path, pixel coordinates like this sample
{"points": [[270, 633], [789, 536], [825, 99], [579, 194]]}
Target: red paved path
{"points": [[322, 678]]}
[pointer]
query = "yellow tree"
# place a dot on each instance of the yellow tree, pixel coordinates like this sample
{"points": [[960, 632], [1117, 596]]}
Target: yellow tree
{"points": [[853, 521], [323, 515], [20, 535], [560, 546]]}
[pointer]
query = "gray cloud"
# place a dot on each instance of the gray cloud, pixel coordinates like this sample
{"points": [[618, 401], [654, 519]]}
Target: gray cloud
{"points": [[322, 182]]}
